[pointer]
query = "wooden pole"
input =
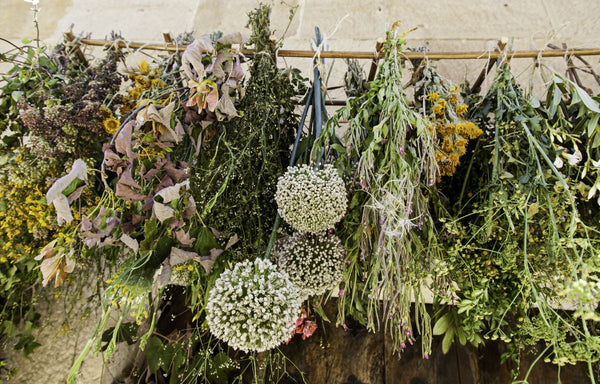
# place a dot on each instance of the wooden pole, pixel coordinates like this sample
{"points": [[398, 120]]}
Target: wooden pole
{"points": [[167, 37], [70, 37], [482, 75], [368, 55], [373, 69]]}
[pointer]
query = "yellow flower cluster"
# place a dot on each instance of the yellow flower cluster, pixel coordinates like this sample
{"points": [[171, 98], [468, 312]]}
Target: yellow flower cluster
{"points": [[24, 212], [148, 78], [452, 131], [26, 220], [110, 123]]}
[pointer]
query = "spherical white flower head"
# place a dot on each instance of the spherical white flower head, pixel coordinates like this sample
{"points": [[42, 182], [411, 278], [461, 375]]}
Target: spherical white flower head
{"points": [[253, 307], [314, 263], [311, 200]]}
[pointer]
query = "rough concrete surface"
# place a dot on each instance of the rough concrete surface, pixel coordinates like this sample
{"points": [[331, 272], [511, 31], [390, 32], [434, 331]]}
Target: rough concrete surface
{"points": [[445, 25]]}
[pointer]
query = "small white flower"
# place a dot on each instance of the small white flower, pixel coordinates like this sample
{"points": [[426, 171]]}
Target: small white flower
{"points": [[236, 315], [311, 200], [314, 263]]}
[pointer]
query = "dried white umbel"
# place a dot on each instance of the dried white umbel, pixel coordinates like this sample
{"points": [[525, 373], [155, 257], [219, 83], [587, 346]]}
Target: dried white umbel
{"points": [[311, 200], [313, 262], [253, 307]]}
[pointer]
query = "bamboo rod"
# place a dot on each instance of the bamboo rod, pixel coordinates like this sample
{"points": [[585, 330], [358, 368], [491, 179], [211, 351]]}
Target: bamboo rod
{"points": [[484, 55], [482, 75], [69, 35], [375, 61], [167, 37]]}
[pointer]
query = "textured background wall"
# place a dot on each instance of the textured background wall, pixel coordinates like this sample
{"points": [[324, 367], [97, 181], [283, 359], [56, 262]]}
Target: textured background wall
{"points": [[446, 25], [449, 25]]}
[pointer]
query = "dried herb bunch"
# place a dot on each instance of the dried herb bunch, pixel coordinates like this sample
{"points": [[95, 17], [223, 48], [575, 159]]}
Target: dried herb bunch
{"points": [[389, 155], [235, 175], [70, 123], [516, 246]]}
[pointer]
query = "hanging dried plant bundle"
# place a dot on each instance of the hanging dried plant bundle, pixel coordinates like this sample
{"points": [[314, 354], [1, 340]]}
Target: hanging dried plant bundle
{"points": [[441, 102], [390, 154], [524, 244], [235, 175]]}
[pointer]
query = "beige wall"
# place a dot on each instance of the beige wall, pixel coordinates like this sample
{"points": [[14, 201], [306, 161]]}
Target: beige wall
{"points": [[350, 25]]}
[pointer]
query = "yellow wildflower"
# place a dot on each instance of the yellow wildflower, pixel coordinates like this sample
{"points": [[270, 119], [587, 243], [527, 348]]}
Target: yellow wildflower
{"points": [[461, 109], [473, 130], [439, 107], [433, 96], [111, 125], [453, 157], [190, 268], [144, 67], [461, 143], [453, 98], [447, 145]]}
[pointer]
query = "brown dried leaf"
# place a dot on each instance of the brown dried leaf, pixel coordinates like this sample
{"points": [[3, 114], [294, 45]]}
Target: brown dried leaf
{"points": [[113, 162], [184, 238], [128, 194], [179, 256], [191, 60], [208, 261], [176, 173], [162, 212], [232, 241], [190, 210], [130, 242], [173, 192], [232, 38], [75, 195], [225, 108], [217, 66], [123, 143], [56, 267], [127, 180]]}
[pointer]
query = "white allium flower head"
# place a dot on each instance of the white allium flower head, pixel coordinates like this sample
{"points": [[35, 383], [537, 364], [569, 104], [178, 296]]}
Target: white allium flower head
{"points": [[253, 307], [314, 262], [311, 200]]}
